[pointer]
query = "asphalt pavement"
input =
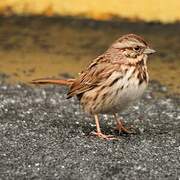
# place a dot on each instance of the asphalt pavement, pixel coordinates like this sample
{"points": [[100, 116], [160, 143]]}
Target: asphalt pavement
{"points": [[46, 136]]}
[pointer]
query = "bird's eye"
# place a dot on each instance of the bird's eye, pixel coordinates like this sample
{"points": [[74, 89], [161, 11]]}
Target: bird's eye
{"points": [[137, 48]]}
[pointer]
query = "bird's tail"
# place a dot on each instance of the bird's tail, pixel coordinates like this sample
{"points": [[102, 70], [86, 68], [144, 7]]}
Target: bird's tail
{"points": [[63, 82]]}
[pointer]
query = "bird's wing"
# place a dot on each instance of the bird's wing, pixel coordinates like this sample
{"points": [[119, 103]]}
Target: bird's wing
{"points": [[95, 74]]}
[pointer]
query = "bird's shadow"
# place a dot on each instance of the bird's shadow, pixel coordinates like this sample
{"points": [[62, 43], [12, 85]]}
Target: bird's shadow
{"points": [[87, 127]]}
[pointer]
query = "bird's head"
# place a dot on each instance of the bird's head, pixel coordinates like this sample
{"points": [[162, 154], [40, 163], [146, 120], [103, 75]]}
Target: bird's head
{"points": [[132, 47]]}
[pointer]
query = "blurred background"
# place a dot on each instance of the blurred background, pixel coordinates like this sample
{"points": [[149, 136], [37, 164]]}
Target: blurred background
{"points": [[53, 38]]}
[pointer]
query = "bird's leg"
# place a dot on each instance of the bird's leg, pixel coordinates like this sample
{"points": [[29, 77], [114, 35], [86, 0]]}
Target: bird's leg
{"points": [[120, 127], [98, 130]]}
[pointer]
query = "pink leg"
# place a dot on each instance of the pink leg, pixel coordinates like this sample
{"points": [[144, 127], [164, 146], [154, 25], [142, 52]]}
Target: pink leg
{"points": [[98, 133], [120, 127]]}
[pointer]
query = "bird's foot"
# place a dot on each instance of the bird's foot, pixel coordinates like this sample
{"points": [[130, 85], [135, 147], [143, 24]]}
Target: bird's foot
{"points": [[103, 136], [120, 127]]}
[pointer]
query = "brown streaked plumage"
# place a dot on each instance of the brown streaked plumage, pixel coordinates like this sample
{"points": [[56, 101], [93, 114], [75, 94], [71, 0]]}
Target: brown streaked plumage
{"points": [[112, 81]]}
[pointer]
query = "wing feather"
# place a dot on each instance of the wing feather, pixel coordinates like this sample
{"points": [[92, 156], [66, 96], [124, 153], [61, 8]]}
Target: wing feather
{"points": [[95, 74]]}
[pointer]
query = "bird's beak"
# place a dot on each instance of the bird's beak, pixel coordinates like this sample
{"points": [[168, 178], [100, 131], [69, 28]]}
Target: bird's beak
{"points": [[149, 50]]}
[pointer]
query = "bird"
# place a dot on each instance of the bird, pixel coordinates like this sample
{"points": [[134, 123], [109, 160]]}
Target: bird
{"points": [[112, 81]]}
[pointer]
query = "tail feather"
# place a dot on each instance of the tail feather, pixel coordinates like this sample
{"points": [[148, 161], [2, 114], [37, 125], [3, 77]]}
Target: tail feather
{"points": [[65, 82]]}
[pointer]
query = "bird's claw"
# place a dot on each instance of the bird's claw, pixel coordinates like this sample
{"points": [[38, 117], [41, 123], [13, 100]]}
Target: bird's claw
{"points": [[121, 128], [103, 136]]}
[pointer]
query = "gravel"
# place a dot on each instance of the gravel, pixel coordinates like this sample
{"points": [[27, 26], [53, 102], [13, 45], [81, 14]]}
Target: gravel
{"points": [[46, 136]]}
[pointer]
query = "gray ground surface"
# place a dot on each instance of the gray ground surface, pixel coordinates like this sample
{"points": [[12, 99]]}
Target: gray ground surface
{"points": [[45, 136]]}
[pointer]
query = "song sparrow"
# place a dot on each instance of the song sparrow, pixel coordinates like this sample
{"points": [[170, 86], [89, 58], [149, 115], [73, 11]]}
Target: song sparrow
{"points": [[112, 81]]}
